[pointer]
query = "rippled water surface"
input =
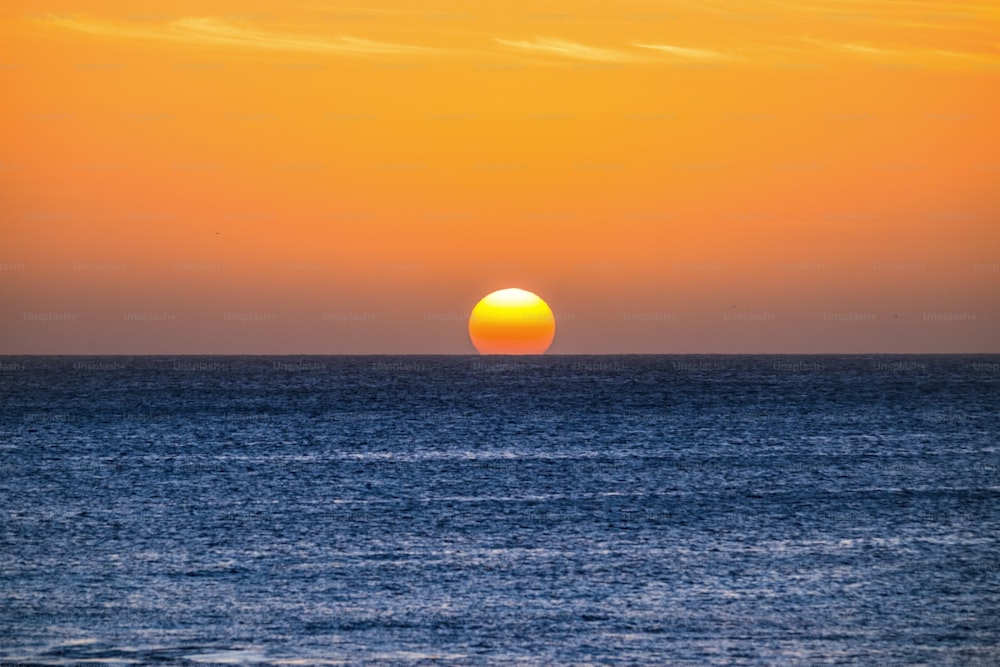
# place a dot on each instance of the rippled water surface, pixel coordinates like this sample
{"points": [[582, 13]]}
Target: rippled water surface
{"points": [[623, 510]]}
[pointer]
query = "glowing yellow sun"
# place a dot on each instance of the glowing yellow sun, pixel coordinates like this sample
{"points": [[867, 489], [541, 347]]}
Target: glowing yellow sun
{"points": [[512, 321]]}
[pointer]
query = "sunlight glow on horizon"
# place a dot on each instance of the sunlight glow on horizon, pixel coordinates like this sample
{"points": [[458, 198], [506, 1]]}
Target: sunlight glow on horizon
{"points": [[512, 321]]}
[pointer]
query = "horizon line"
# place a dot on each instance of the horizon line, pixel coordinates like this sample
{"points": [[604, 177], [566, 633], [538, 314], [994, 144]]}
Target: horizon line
{"points": [[495, 356]]}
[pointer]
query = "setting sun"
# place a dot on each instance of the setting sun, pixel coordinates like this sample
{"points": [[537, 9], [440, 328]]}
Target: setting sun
{"points": [[512, 321]]}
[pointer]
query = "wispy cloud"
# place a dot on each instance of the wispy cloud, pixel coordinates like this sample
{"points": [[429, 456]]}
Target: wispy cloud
{"points": [[899, 47], [573, 50], [217, 32], [684, 52], [853, 47], [905, 54]]}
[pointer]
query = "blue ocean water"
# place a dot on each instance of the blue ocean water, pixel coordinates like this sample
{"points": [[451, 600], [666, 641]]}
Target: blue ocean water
{"points": [[610, 510]]}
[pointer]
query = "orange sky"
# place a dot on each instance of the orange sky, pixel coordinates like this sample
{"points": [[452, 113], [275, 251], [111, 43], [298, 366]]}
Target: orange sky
{"points": [[283, 177]]}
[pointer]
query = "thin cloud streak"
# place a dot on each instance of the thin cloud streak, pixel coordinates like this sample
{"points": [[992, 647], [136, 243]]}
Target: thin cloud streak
{"points": [[684, 52], [940, 56], [573, 50], [216, 32]]}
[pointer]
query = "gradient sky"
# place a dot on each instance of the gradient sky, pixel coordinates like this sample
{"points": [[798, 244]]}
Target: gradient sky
{"points": [[316, 177]]}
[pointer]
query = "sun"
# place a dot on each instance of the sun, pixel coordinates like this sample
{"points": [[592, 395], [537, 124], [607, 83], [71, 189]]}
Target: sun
{"points": [[512, 321]]}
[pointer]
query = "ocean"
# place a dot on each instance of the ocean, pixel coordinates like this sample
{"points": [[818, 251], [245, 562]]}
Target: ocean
{"points": [[460, 510]]}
